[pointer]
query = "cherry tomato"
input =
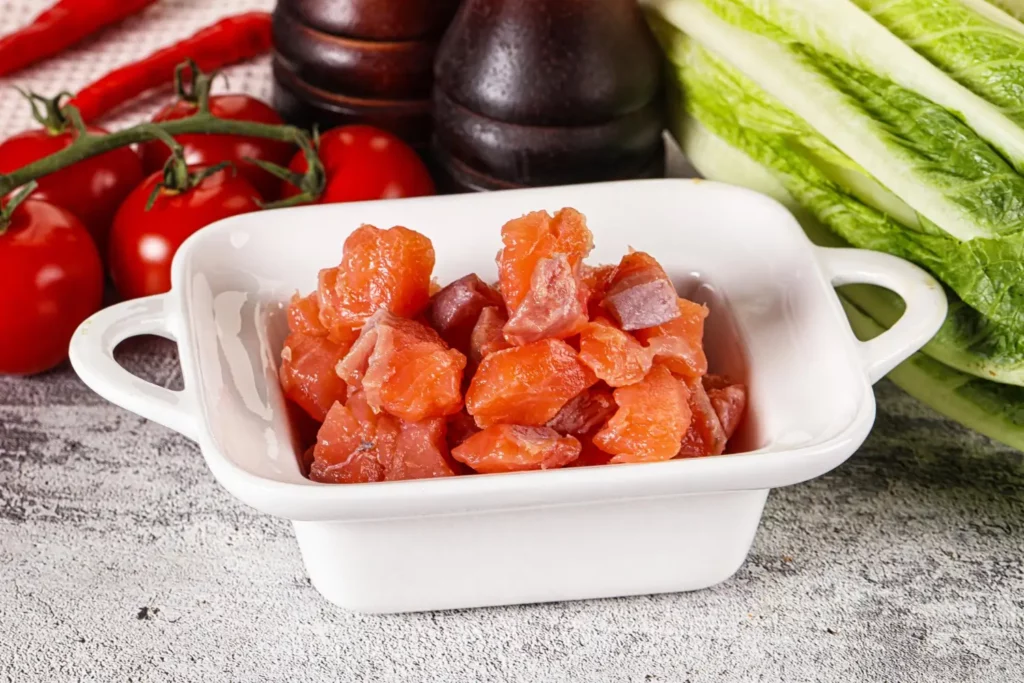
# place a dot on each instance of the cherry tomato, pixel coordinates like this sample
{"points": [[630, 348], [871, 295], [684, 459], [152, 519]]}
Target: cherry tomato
{"points": [[51, 279], [363, 163], [142, 243], [207, 150], [92, 189]]}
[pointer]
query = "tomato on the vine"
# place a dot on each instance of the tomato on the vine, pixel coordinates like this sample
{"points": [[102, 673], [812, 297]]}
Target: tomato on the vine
{"points": [[51, 279], [207, 150], [91, 189], [364, 163], [143, 242]]}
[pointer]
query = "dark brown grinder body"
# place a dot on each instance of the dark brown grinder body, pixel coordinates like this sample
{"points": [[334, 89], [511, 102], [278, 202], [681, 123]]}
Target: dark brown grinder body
{"points": [[546, 92], [358, 61]]}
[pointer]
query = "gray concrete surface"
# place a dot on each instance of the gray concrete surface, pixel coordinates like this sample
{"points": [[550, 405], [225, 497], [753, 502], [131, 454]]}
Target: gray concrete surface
{"points": [[122, 560]]}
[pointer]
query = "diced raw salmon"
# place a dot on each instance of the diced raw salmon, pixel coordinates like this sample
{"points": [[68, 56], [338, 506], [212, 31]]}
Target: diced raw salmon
{"points": [[650, 422], [679, 343], [410, 372], [729, 400], [526, 385], [454, 310], [350, 448], [512, 448], [705, 435], [586, 413], [307, 373], [640, 294], [614, 356], [537, 236], [554, 307]]}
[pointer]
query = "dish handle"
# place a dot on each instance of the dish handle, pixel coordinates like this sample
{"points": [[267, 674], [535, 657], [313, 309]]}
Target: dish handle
{"points": [[92, 357], [925, 303]]}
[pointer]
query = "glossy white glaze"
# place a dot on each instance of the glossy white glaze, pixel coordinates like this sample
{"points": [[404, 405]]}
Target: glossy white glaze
{"points": [[469, 541]]}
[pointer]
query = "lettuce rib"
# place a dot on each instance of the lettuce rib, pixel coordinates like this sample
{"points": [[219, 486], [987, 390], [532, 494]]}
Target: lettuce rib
{"points": [[992, 409], [988, 274], [915, 148], [1009, 13], [984, 55], [966, 341], [844, 30]]}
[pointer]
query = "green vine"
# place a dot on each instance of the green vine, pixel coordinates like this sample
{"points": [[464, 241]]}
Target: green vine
{"points": [[7, 209], [88, 144]]}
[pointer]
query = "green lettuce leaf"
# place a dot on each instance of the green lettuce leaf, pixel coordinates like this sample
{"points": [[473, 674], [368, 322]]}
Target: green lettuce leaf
{"points": [[984, 55], [843, 30], [915, 148], [966, 341], [995, 410], [1006, 12], [990, 408], [986, 273]]}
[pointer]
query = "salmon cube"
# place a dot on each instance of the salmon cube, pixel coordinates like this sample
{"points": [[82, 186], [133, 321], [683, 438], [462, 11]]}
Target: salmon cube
{"points": [[454, 310], [526, 385], [513, 448], [729, 400], [488, 335], [705, 435], [307, 373], [421, 451], [614, 356], [652, 417], [555, 306], [640, 294], [405, 368], [679, 343], [537, 236], [388, 269], [350, 448], [304, 316]]}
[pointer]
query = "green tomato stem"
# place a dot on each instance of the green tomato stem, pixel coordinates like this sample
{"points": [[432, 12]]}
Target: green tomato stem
{"points": [[202, 123], [7, 209]]}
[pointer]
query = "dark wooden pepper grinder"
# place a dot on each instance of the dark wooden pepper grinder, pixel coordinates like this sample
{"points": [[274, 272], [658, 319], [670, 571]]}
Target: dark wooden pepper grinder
{"points": [[547, 92], [358, 61]]}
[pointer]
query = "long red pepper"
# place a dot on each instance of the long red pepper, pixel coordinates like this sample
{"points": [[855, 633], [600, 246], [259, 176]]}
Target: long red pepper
{"points": [[230, 40], [60, 27]]}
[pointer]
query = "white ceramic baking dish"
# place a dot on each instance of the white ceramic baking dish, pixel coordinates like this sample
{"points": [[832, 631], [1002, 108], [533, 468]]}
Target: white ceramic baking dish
{"points": [[534, 536]]}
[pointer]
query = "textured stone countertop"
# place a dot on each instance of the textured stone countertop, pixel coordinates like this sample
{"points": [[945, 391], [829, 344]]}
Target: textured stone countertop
{"points": [[122, 559]]}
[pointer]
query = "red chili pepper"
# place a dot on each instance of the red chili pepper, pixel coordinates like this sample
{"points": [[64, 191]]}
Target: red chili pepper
{"points": [[230, 40], [60, 27]]}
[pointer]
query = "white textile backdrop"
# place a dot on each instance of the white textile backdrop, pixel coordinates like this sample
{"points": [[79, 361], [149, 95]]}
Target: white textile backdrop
{"points": [[161, 24]]}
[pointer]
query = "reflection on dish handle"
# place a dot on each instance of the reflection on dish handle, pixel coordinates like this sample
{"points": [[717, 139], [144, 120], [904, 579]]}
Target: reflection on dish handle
{"points": [[92, 356], [925, 303]]}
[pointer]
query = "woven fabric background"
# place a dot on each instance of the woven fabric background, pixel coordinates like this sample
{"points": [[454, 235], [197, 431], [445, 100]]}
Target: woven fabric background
{"points": [[163, 23]]}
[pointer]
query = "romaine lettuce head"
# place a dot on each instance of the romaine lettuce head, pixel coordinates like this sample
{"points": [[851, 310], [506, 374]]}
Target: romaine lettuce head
{"points": [[987, 273], [966, 341], [947, 374]]}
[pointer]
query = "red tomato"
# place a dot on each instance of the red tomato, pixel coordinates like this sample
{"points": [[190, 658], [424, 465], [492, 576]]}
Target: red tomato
{"points": [[51, 279], [92, 189], [142, 243], [362, 163], [207, 150]]}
